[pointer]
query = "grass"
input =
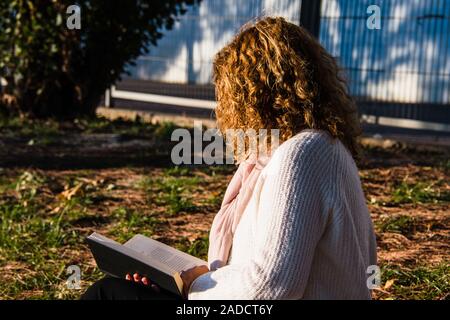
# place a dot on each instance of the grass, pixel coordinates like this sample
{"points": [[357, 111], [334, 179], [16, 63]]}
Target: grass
{"points": [[197, 248], [36, 232], [42, 231], [24, 127], [45, 215], [38, 132], [420, 283], [44, 220], [402, 224], [419, 192], [171, 190], [33, 241], [128, 223]]}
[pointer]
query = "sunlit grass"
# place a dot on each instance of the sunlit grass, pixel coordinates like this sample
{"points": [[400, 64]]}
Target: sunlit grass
{"points": [[172, 190], [403, 224], [45, 217], [197, 248], [419, 192], [36, 229], [127, 223], [420, 283]]}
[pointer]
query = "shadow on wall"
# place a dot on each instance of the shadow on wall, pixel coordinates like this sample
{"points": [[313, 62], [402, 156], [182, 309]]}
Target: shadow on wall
{"points": [[185, 53], [407, 60]]}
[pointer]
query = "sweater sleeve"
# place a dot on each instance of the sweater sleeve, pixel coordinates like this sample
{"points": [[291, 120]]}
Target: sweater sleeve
{"points": [[293, 210]]}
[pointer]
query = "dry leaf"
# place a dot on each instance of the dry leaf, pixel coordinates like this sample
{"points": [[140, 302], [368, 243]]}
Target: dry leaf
{"points": [[389, 284], [56, 210], [69, 193]]}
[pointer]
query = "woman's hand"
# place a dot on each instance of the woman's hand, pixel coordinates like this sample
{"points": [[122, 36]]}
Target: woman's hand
{"points": [[188, 276], [143, 280]]}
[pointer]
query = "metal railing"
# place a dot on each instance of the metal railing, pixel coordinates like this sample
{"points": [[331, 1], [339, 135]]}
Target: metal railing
{"points": [[399, 74]]}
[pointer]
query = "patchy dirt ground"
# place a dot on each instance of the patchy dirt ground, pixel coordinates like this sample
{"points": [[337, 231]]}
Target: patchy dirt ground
{"points": [[47, 209]]}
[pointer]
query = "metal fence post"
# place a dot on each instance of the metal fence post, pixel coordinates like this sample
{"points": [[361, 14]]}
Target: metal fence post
{"points": [[310, 16], [108, 98]]}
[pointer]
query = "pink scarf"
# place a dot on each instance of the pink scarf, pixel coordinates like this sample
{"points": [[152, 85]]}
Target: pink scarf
{"points": [[237, 196]]}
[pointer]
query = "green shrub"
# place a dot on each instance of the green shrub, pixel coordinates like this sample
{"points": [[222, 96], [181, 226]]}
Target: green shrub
{"points": [[54, 71]]}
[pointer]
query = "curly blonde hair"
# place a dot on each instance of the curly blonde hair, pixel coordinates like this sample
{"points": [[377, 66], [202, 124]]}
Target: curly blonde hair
{"points": [[275, 75]]}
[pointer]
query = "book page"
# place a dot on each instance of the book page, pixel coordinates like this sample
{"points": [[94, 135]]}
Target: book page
{"points": [[171, 257], [117, 260], [131, 252]]}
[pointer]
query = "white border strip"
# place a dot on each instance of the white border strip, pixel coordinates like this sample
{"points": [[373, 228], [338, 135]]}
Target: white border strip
{"points": [[208, 104], [156, 98], [405, 123]]}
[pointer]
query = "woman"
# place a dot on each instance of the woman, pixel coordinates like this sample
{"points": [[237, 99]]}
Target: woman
{"points": [[296, 225]]}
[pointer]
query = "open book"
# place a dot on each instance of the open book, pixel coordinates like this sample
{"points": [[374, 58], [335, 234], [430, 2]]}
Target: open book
{"points": [[159, 262]]}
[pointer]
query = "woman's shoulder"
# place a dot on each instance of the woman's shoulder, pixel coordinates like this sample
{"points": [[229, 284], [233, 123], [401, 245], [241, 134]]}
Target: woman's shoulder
{"points": [[307, 143], [314, 150]]}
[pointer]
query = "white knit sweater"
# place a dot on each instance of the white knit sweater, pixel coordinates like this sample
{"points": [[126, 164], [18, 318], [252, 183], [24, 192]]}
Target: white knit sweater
{"points": [[306, 232]]}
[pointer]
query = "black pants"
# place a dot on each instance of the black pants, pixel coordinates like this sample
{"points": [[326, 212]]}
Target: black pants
{"points": [[110, 288]]}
